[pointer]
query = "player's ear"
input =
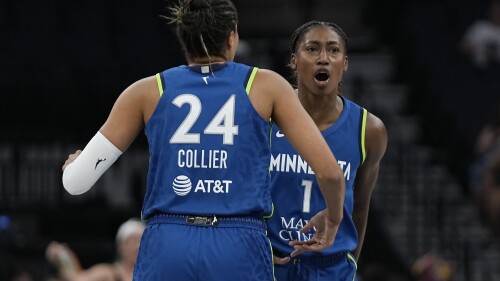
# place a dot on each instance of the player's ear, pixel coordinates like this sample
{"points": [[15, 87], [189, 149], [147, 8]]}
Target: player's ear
{"points": [[233, 39], [293, 62], [232, 44]]}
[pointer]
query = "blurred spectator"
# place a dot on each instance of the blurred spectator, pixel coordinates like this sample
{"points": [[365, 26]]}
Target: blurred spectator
{"points": [[127, 242], [23, 276], [488, 140], [485, 173], [481, 41], [490, 193], [432, 267], [486, 148]]}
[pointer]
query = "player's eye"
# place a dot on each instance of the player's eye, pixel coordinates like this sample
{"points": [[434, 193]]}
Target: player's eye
{"points": [[311, 48]]}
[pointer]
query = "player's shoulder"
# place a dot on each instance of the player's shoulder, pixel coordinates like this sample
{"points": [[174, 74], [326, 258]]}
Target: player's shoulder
{"points": [[270, 80], [144, 87], [267, 75], [376, 137], [373, 122]]}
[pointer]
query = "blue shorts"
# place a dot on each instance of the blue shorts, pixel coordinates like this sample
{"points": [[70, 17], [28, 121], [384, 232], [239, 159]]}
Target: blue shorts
{"points": [[341, 267], [186, 248]]}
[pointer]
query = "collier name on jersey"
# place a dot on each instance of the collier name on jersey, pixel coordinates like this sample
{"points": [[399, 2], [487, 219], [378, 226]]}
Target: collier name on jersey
{"points": [[211, 159]]}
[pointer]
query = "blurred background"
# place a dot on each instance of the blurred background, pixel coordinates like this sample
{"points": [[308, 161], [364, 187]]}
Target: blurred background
{"points": [[429, 69]]}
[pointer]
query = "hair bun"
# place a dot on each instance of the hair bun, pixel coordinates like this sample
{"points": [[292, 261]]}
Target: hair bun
{"points": [[199, 5]]}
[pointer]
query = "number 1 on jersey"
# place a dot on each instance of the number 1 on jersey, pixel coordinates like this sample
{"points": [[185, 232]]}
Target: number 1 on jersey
{"points": [[306, 206]]}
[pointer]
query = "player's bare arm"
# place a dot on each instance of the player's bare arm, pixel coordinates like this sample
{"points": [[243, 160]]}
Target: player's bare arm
{"points": [[376, 144], [127, 118], [306, 138], [130, 112]]}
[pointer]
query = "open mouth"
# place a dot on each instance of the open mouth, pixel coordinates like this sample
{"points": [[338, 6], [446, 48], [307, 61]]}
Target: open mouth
{"points": [[322, 75]]}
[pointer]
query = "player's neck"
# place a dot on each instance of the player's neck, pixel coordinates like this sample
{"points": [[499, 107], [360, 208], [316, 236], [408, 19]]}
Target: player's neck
{"points": [[324, 110], [206, 60]]}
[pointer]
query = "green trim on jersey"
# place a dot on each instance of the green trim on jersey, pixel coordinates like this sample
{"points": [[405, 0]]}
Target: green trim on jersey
{"points": [[160, 83], [272, 207], [250, 80], [363, 134], [351, 258]]}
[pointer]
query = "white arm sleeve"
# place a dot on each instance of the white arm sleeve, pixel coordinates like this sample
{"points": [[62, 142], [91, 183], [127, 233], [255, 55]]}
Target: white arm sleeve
{"points": [[88, 167]]}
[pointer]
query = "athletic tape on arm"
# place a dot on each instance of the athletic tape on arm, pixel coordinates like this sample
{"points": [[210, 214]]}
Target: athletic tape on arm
{"points": [[88, 167]]}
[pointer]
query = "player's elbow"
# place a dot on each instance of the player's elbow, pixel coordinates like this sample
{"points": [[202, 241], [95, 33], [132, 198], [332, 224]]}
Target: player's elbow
{"points": [[72, 184], [81, 174], [334, 177], [75, 189]]}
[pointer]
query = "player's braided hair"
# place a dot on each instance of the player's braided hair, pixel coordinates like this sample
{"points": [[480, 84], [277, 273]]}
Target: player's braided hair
{"points": [[203, 26], [301, 30]]}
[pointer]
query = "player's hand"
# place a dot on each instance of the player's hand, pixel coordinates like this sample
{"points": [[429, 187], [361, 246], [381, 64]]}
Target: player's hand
{"points": [[280, 261], [71, 158], [326, 230]]}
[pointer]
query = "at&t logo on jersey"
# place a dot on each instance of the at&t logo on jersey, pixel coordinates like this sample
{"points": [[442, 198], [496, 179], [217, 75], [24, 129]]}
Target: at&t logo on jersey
{"points": [[213, 186], [182, 186]]}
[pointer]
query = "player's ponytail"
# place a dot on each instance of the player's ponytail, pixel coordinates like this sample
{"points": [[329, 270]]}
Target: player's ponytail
{"points": [[203, 26]]}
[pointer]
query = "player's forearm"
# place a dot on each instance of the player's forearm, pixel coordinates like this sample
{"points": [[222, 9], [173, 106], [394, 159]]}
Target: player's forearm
{"points": [[333, 190], [360, 222], [88, 167]]}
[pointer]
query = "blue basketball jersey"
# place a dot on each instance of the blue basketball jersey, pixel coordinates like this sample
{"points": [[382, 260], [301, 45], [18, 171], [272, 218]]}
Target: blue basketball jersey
{"points": [[295, 191], [209, 147]]}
